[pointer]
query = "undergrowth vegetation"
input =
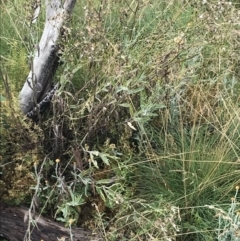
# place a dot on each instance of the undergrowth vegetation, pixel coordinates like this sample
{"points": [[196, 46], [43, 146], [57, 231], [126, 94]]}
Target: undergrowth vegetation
{"points": [[141, 141]]}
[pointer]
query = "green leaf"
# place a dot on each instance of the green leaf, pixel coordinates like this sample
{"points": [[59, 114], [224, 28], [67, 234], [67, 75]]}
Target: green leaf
{"points": [[103, 181], [104, 158], [61, 219], [101, 193], [135, 90], [76, 69], [122, 88], [124, 105], [95, 153], [94, 163]]}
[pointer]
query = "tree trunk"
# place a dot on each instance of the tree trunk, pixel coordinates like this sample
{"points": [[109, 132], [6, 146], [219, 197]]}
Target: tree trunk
{"points": [[45, 60], [43, 67], [13, 228]]}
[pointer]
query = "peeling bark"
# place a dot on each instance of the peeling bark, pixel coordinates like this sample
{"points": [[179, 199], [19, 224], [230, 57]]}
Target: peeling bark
{"points": [[45, 61]]}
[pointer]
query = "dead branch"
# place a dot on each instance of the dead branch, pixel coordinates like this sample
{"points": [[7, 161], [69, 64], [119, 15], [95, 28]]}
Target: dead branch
{"points": [[45, 60], [13, 228]]}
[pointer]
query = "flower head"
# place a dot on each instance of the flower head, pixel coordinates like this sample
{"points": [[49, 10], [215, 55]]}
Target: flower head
{"points": [[57, 160], [71, 221]]}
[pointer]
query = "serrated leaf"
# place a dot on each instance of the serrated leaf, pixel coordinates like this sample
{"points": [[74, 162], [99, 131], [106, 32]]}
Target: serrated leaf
{"points": [[104, 158], [94, 163]]}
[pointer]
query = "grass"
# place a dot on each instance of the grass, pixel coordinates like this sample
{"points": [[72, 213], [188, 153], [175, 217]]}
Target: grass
{"points": [[150, 118], [194, 168]]}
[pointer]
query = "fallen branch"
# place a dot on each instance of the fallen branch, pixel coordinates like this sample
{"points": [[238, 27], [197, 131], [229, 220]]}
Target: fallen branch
{"points": [[13, 228]]}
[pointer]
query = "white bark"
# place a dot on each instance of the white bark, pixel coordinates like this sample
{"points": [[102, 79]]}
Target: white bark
{"points": [[44, 63]]}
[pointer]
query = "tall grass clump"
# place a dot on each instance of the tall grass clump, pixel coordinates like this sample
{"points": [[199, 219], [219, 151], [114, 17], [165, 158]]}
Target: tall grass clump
{"points": [[193, 167], [147, 120]]}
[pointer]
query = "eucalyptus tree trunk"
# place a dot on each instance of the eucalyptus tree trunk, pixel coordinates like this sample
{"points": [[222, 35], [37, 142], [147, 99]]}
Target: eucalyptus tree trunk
{"points": [[45, 61]]}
